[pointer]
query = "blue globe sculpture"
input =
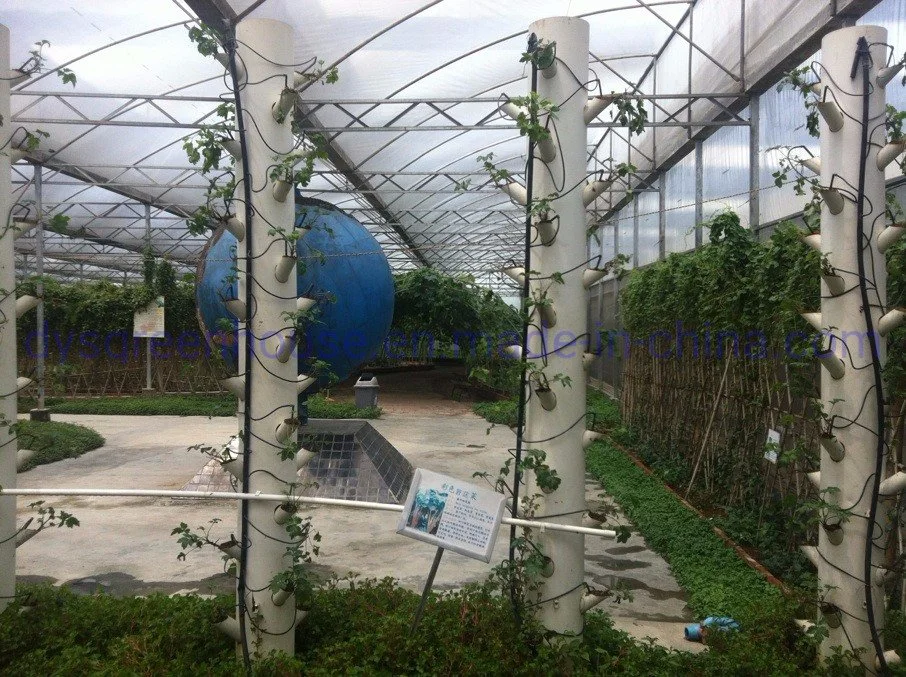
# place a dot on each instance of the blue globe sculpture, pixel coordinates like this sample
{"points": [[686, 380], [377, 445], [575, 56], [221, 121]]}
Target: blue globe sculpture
{"points": [[341, 267]]}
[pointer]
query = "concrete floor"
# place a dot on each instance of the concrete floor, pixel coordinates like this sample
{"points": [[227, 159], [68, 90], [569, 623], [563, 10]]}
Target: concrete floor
{"points": [[124, 545]]}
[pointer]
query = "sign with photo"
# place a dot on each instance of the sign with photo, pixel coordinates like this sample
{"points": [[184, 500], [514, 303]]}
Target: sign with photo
{"points": [[772, 445], [149, 321], [452, 514]]}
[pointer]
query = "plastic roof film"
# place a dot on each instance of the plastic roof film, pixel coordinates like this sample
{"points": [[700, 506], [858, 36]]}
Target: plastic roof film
{"points": [[416, 103]]}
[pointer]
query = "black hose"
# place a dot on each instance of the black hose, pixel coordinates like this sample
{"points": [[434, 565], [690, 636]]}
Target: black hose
{"points": [[247, 395], [863, 54], [520, 412]]}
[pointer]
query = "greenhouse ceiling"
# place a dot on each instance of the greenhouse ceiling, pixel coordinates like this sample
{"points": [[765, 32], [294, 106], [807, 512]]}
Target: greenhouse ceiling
{"points": [[417, 101]]}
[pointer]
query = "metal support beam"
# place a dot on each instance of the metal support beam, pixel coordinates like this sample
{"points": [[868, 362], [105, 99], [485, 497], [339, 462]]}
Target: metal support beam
{"points": [[148, 386], [662, 217], [754, 164], [363, 186], [699, 193]]}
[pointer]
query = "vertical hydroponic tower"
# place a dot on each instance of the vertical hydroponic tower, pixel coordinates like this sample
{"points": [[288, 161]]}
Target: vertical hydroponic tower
{"points": [[8, 386], [555, 413], [854, 233], [267, 384]]}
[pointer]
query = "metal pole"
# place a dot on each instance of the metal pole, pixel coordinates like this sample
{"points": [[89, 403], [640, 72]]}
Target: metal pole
{"points": [[635, 232], [427, 591], [754, 163], [662, 217], [8, 403], [39, 414], [851, 466], [699, 193], [560, 607], [148, 340]]}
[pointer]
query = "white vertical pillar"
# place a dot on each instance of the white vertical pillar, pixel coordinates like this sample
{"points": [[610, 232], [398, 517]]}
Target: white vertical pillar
{"points": [[263, 45], [7, 344], [39, 288], [850, 398], [558, 431]]}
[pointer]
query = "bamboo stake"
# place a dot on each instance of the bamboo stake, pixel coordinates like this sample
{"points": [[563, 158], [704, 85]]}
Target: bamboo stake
{"points": [[720, 390]]}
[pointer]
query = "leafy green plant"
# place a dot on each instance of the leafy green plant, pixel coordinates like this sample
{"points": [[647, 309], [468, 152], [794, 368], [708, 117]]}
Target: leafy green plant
{"points": [[205, 39], [298, 167], [717, 581], [631, 113], [498, 175], [535, 113], [540, 53], [36, 63]]}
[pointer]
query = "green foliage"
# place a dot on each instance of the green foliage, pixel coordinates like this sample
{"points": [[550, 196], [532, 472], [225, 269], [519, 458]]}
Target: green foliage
{"points": [[36, 64], [65, 633], [362, 627], [540, 53], [733, 283], [206, 40], [106, 308], [799, 80], [630, 112], [503, 412], [604, 412], [53, 441], [319, 407], [717, 581], [498, 175], [534, 114], [187, 405], [448, 306]]}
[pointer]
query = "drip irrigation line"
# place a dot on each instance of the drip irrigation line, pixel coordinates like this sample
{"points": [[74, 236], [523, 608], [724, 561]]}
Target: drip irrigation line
{"points": [[523, 372], [863, 55], [247, 387]]}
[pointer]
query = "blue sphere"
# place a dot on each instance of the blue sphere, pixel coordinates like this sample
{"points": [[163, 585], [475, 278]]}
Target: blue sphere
{"points": [[341, 266]]}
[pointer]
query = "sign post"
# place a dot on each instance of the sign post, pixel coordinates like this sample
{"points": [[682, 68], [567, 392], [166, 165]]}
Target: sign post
{"points": [[453, 515], [148, 323]]}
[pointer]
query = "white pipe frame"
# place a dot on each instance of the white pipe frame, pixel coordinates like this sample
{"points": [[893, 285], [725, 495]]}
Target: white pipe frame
{"points": [[541, 525], [839, 556], [552, 414], [8, 381]]}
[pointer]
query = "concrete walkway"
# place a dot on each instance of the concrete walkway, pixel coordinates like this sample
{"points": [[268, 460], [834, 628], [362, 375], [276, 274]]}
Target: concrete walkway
{"points": [[125, 545]]}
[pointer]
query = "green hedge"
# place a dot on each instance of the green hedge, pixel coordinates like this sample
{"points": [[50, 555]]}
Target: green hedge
{"points": [[53, 441], [739, 284], [360, 630], [605, 410]]}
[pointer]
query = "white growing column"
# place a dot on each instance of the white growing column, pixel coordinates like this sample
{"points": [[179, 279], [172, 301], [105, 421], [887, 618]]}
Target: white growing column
{"points": [[558, 431], [263, 45], [7, 342], [848, 456]]}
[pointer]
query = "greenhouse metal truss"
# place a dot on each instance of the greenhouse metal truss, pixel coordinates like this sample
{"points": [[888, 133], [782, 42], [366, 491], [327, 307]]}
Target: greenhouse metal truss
{"points": [[403, 141]]}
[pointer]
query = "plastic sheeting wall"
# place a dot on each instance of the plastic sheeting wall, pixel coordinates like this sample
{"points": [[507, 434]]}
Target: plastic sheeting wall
{"points": [[680, 204], [725, 154], [725, 173]]}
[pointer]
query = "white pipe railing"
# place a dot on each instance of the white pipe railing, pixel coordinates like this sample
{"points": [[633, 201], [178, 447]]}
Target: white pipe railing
{"points": [[283, 498]]}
